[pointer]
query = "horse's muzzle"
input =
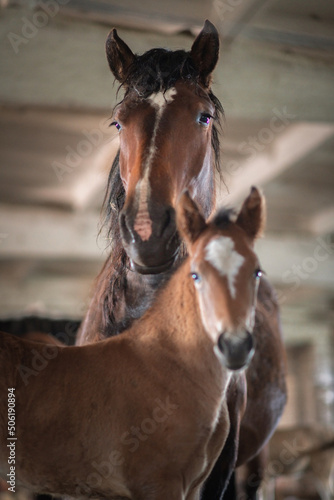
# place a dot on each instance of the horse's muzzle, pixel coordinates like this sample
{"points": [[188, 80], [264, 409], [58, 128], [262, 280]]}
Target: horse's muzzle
{"points": [[237, 351], [158, 252]]}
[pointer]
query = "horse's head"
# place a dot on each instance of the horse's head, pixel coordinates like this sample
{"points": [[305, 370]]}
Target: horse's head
{"points": [[168, 140], [226, 273]]}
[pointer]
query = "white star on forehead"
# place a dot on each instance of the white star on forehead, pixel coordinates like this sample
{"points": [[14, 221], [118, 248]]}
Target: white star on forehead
{"points": [[161, 99], [221, 254]]}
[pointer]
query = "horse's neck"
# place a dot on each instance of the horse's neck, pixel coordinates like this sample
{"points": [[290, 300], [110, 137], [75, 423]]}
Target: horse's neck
{"points": [[118, 299], [91, 328], [137, 297]]}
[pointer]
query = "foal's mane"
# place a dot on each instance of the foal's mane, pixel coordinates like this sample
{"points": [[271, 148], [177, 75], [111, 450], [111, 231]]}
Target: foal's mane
{"points": [[157, 70]]}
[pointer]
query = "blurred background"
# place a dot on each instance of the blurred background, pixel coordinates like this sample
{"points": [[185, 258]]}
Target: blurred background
{"points": [[275, 79]]}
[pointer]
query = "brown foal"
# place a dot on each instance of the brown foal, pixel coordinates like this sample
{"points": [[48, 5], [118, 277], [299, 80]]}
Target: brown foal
{"points": [[143, 415]]}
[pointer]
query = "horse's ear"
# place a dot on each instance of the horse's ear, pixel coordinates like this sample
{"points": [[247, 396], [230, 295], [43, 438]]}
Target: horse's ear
{"points": [[205, 51], [190, 222], [119, 55], [252, 215]]}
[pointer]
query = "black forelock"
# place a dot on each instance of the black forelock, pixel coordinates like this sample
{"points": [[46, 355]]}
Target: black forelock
{"points": [[224, 218], [157, 70]]}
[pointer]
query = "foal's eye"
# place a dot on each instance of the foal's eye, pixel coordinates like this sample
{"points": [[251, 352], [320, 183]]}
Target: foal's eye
{"points": [[196, 277], [116, 124], [258, 273], [204, 119]]}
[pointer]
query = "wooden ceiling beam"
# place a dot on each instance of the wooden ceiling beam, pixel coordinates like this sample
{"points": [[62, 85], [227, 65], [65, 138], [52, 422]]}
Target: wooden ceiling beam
{"points": [[50, 235], [31, 232], [269, 161], [70, 70]]}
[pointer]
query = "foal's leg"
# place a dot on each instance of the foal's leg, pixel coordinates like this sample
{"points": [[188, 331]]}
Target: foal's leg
{"points": [[164, 490], [256, 472], [231, 491], [219, 479], [167, 495], [194, 495]]}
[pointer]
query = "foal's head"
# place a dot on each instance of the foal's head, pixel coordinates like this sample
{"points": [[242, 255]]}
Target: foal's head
{"points": [[167, 125], [226, 273]]}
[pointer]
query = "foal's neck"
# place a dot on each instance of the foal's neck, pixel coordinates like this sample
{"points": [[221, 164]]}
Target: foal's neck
{"points": [[177, 314], [174, 326]]}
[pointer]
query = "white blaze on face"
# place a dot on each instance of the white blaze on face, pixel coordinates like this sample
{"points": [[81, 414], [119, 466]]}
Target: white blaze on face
{"points": [[221, 254], [143, 223]]}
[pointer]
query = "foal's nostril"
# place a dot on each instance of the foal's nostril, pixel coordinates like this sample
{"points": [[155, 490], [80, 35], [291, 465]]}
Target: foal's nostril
{"points": [[249, 342], [221, 343]]}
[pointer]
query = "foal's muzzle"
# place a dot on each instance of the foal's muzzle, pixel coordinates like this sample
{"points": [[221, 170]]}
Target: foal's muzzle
{"points": [[237, 351]]}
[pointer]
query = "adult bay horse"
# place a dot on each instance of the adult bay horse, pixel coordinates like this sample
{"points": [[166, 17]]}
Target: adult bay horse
{"points": [[143, 415], [168, 123]]}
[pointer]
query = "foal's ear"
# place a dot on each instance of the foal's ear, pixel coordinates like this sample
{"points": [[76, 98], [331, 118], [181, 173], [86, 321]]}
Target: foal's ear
{"points": [[204, 52], [189, 220], [119, 55], [252, 215]]}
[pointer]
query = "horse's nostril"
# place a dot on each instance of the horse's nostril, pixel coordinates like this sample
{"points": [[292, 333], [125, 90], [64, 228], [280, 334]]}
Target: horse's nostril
{"points": [[166, 222], [126, 231], [122, 222]]}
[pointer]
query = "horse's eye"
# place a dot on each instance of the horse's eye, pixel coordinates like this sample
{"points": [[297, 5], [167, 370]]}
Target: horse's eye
{"points": [[116, 124], [196, 277], [258, 273], [204, 119]]}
